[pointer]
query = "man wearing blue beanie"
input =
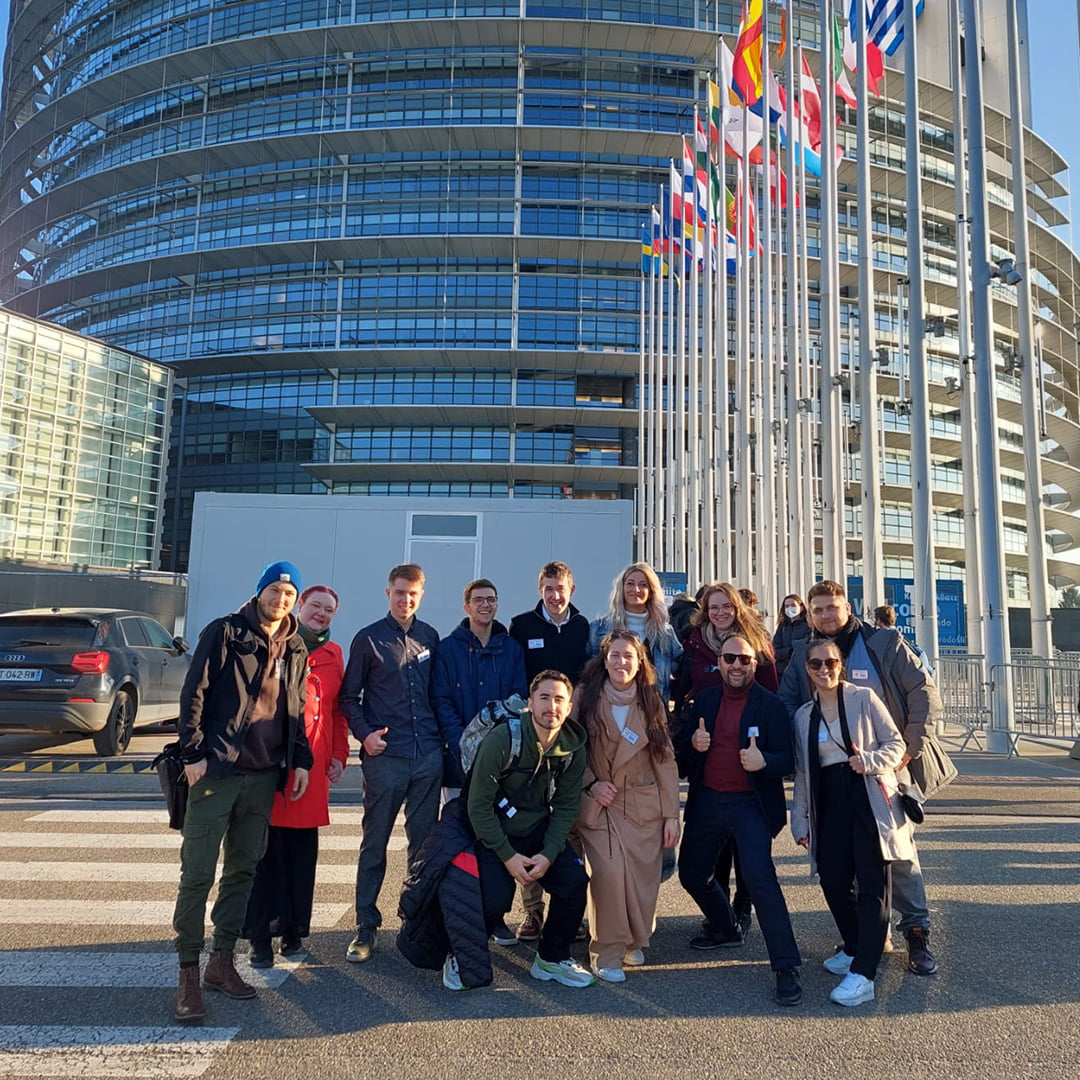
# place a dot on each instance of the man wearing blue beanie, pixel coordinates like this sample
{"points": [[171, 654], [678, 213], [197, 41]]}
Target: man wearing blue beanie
{"points": [[242, 737]]}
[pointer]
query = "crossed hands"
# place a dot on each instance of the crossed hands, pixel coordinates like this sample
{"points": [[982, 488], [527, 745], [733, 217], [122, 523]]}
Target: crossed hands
{"points": [[526, 868]]}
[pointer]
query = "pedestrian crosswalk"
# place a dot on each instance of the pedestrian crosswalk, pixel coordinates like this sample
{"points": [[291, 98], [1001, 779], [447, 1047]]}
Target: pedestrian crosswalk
{"points": [[86, 903]]}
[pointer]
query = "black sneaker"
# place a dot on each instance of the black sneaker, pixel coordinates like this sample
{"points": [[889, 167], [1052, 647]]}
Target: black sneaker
{"points": [[361, 946], [503, 935], [261, 955], [713, 940], [743, 920], [291, 945], [788, 987], [920, 959]]}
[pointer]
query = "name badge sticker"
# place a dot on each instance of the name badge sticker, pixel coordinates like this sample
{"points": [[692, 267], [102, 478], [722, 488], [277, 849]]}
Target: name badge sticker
{"points": [[422, 656], [753, 733], [860, 675], [630, 736], [536, 643], [823, 735]]}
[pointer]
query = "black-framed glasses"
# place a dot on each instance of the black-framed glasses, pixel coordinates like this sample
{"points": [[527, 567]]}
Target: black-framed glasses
{"points": [[737, 658], [829, 663]]}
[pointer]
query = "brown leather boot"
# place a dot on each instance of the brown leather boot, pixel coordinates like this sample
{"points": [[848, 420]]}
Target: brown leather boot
{"points": [[221, 975], [189, 1000]]}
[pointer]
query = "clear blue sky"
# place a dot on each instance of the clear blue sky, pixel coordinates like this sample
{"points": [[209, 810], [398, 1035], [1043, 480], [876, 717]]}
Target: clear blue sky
{"points": [[1055, 82]]}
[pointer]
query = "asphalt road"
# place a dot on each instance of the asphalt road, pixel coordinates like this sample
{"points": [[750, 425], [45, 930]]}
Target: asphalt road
{"points": [[87, 878]]}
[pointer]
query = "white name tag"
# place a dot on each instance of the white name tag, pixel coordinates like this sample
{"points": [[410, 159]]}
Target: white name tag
{"points": [[536, 643], [823, 735], [422, 656], [753, 733], [630, 736], [860, 675]]}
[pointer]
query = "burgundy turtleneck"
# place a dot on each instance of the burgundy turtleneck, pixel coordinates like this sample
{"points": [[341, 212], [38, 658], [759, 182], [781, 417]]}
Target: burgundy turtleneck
{"points": [[723, 770]]}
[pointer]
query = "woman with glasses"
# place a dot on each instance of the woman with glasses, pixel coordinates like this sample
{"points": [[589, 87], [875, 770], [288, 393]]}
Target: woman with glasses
{"points": [[723, 612], [630, 801], [637, 604], [846, 812]]}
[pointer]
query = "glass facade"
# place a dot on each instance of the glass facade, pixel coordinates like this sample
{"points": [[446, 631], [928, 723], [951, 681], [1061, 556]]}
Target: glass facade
{"points": [[83, 433], [393, 246]]}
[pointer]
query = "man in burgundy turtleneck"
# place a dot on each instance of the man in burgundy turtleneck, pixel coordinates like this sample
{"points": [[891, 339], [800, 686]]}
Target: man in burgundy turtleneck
{"points": [[735, 749]]}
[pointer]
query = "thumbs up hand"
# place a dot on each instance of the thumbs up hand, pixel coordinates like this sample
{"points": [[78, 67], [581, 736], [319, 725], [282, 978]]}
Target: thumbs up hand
{"points": [[752, 759], [374, 744], [701, 740]]}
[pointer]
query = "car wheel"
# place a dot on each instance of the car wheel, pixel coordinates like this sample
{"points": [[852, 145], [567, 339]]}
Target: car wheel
{"points": [[114, 737]]}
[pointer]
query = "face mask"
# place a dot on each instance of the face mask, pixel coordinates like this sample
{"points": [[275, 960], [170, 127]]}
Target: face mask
{"points": [[791, 612]]}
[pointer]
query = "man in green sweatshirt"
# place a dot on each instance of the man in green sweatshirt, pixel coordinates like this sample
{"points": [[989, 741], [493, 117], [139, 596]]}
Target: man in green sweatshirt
{"points": [[522, 813]]}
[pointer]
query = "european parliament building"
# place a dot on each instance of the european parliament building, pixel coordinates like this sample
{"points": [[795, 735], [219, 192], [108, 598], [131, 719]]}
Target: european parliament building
{"points": [[393, 246]]}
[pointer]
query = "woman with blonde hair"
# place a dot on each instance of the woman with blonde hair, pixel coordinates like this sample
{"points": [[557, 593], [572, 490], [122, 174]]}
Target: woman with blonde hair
{"points": [[637, 604], [629, 811]]}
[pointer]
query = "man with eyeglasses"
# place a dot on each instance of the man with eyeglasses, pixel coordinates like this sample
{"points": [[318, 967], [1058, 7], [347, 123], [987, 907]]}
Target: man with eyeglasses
{"points": [[734, 748], [883, 661], [477, 663]]}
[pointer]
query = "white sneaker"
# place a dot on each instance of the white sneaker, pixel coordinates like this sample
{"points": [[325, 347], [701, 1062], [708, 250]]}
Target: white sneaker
{"points": [[634, 958], [888, 946], [451, 977], [568, 972], [853, 990], [612, 975], [839, 963]]}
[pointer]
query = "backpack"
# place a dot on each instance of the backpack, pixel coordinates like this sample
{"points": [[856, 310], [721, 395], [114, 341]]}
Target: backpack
{"points": [[492, 714]]}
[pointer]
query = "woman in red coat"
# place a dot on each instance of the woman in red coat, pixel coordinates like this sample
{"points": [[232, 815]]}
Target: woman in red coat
{"points": [[284, 886]]}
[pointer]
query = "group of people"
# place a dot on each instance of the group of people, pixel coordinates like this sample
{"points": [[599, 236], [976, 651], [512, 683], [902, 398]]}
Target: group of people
{"points": [[573, 788]]}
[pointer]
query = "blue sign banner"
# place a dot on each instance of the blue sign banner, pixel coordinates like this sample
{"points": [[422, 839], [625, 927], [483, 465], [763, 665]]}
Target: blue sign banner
{"points": [[952, 622]]}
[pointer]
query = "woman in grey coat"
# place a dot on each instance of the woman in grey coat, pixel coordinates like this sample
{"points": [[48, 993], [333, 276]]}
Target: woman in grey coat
{"points": [[847, 813]]}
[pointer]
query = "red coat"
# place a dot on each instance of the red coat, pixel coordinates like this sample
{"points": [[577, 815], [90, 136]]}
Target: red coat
{"points": [[328, 733]]}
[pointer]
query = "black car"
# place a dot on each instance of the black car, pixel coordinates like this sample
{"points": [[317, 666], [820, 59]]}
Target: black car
{"points": [[88, 670]]}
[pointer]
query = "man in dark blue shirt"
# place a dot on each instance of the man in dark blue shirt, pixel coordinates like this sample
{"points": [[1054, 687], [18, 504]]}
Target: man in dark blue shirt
{"points": [[385, 697]]}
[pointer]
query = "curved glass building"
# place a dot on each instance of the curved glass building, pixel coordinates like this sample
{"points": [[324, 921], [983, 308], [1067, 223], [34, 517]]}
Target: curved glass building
{"points": [[393, 246]]}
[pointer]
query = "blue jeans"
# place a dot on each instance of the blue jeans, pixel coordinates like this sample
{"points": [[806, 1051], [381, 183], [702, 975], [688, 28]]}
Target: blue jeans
{"points": [[716, 816], [390, 782]]}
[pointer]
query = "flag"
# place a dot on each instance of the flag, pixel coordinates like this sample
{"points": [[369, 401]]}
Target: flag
{"points": [[747, 73], [757, 157], [875, 64], [884, 22], [810, 105], [714, 119], [659, 262], [777, 101], [843, 84], [646, 248]]}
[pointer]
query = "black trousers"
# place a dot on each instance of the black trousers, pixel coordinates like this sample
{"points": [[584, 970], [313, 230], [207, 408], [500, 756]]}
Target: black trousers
{"points": [[715, 817], [725, 861], [566, 884], [284, 888], [852, 870]]}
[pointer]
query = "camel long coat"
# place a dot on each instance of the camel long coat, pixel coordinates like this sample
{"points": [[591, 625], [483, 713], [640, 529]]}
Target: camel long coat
{"points": [[623, 843]]}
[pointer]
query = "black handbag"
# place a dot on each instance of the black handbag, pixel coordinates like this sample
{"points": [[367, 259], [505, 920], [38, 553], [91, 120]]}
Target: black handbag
{"points": [[912, 799], [174, 785]]}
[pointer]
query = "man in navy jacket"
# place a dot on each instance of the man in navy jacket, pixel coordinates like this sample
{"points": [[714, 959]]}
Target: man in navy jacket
{"points": [[735, 749], [477, 663]]}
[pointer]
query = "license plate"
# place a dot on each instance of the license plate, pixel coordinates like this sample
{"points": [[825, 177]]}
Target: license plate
{"points": [[15, 674]]}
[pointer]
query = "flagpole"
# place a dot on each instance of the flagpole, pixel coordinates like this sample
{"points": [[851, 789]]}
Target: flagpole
{"points": [[693, 501], [807, 389], [969, 464], [1042, 644], [796, 514], [640, 531], [872, 577], [765, 448], [708, 507], [742, 372], [670, 465], [720, 569], [922, 509], [997, 674]]}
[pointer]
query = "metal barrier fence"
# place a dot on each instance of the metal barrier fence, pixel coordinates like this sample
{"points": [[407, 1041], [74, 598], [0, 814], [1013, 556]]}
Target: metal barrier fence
{"points": [[1045, 695]]}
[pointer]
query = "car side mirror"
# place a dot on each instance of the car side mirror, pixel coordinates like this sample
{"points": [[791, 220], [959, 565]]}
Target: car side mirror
{"points": [[181, 645]]}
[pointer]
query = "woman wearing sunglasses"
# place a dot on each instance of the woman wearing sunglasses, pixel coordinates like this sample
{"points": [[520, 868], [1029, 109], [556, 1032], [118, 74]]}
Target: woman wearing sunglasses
{"points": [[630, 802], [846, 812]]}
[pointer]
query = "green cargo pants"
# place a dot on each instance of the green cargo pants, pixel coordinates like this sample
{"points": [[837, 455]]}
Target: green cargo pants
{"points": [[237, 809]]}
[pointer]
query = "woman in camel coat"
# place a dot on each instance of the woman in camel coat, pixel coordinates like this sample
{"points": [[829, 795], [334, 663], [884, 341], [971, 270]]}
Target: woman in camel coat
{"points": [[630, 801]]}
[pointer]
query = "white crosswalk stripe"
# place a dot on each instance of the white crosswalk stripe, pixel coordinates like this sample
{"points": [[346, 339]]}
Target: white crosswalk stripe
{"points": [[69, 1051], [86, 869]]}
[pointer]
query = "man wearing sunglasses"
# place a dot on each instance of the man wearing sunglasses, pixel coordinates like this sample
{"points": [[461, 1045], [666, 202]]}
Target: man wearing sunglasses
{"points": [[734, 748], [881, 660]]}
